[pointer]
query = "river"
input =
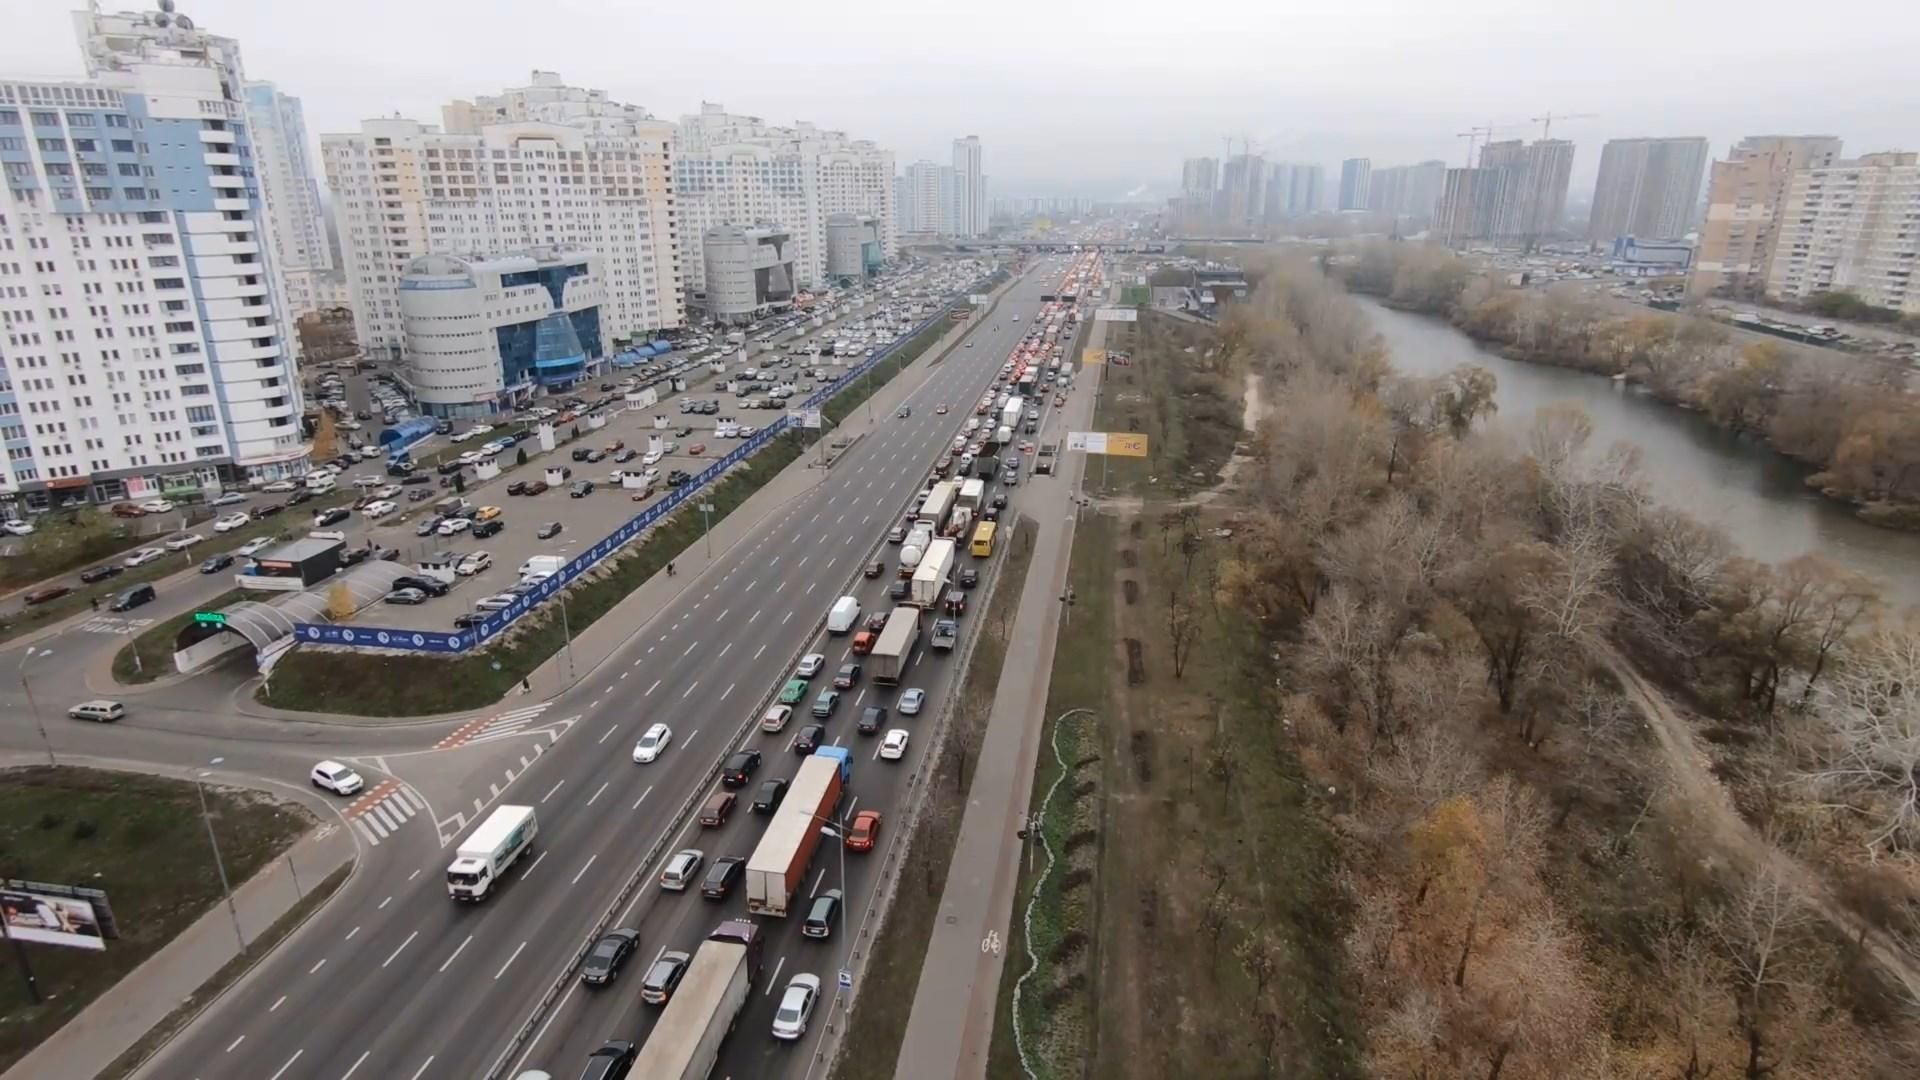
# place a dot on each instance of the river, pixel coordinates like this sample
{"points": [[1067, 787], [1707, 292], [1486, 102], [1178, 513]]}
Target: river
{"points": [[1754, 494]]}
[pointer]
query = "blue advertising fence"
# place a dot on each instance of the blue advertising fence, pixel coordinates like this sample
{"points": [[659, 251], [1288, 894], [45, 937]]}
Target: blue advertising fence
{"points": [[459, 641]]}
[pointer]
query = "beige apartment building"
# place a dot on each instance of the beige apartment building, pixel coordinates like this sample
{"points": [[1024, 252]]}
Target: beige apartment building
{"points": [[1853, 226], [1745, 194]]}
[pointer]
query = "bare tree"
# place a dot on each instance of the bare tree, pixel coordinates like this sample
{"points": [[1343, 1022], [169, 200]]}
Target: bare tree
{"points": [[1868, 750], [1757, 929], [1259, 956], [1183, 627], [1216, 914]]}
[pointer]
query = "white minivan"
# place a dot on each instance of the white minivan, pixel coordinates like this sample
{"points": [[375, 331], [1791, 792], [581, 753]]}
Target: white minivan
{"points": [[844, 613]]}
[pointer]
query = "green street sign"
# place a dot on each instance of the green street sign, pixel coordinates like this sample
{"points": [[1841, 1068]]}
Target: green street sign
{"points": [[217, 618]]}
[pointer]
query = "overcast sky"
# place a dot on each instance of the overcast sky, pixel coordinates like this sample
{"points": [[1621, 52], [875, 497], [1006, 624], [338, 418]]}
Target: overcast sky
{"points": [[1102, 98]]}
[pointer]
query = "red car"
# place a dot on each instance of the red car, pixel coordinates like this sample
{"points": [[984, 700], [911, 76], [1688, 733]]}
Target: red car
{"points": [[697, 449], [864, 831]]}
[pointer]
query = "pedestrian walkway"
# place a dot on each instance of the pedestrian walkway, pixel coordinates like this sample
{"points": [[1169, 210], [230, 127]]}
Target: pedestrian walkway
{"points": [[124, 1014], [951, 1026], [379, 813]]}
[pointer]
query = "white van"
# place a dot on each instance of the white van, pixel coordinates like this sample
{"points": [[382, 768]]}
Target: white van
{"points": [[542, 564], [103, 712], [321, 482], [844, 613]]}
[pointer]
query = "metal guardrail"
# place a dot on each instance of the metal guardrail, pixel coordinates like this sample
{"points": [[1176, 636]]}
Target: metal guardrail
{"points": [[643, 871]]}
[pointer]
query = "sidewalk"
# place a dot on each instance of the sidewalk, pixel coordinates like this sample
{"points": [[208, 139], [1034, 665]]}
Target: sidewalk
{"points": [[950, 1028], [122, 1016]]}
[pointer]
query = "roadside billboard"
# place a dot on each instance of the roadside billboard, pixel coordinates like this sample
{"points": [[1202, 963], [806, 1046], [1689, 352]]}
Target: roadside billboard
{"points": [[56, 914], [1112, 443]]}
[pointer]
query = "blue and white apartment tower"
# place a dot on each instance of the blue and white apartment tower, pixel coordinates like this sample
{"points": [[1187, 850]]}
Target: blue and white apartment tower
{"points": [[143, 341], [486, 334]]}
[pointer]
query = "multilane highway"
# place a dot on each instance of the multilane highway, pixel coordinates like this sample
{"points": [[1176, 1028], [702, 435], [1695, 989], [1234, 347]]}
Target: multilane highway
{"points": [[395, 980]]}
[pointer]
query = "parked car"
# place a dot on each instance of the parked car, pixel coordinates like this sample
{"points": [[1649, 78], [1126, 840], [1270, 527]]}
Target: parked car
{"points": [[405, 596], [548, 531], [216, 563], [98, 573], [46, 594]]}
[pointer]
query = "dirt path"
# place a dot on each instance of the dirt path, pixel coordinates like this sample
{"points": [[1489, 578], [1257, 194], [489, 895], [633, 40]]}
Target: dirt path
{"points": [[1689, 768]]}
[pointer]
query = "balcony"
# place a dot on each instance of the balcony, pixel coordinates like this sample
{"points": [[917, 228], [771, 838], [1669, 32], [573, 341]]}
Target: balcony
{"points": [[233, 204], [231, 161], [232, 183], [222, 137]]}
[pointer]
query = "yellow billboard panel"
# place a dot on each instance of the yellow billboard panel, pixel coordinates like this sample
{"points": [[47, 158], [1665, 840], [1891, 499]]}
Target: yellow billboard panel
{"points": [[1126, 444], [1093, 356]]}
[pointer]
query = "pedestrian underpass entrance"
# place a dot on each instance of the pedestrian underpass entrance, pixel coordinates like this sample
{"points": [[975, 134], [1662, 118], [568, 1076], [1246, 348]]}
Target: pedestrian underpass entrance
{"points": [[267, 629]]}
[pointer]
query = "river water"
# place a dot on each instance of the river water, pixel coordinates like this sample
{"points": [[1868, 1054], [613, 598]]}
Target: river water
{"points": [[1756, 495]]}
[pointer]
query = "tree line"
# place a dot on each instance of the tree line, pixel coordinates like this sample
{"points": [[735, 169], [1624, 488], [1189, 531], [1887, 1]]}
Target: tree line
{"points": [[1855, 419], [1453, 615]]}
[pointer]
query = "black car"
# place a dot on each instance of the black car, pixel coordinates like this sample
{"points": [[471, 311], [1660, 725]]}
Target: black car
{"points": [[626, 455], [400, 468], [354, 556], [430, 586], [1000, 501], [969, 579], [548, 531], [677, 477], [581, 489], [721, 876], [611, 1062], [580, 453], [98, 573], [518, 487], [483, 529], [846, 676], [811, 738], [739, 768], [331, 517], [608, 956], [449, 467], [767, 799], [469, 620], [683, 432], [875, 569], [872, 719], [299, 496], [899, 590]]}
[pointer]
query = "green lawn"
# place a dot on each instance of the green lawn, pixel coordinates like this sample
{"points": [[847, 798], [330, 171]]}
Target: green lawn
{"points": [[143, 841]]}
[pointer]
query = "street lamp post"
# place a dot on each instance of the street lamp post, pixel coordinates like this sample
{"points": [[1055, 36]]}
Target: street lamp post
{"points": [[220, 864], [26, 686], [836, 828]]}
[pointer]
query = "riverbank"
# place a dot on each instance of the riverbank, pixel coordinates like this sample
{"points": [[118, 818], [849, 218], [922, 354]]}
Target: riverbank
{"points": [[1854, 423]]}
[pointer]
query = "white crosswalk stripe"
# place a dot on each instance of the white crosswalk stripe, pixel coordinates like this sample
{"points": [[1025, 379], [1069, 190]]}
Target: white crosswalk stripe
{"points": [[383, 818], [509, 724]]}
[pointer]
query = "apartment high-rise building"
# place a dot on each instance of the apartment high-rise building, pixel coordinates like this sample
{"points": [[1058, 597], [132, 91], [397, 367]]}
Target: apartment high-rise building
{"points": [[541, 166], [1199, 179], [1852, 226], [1648, 188], [969, 189], [1532, 195], [1355, 174], [1469, 205], [292, 187], [1243, 191], [750, 273], [1409, 191], [146, 349], [929, 186], [1744, 196], [739, 170]]}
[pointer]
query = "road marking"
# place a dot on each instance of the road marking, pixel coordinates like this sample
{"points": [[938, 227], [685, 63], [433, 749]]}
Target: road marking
{"points": [[277, 1004], [603, 739], [281, 1071], [690, 649], [463, 945], [504, 967], [875, 756], [775, 981], [550, 791], [810, 586], [597, 794], [762, 649], [755, 615], [315, 968], [651, 689], [235, 1043], [817, 879], [350, 934], [578, 876], [804, 558], [422, 1068], [410, 877], [724, 651], [528, 872], [689, 690], [722, 616], [355, 1067], [402, 948], [723, 694], [643, 797]]}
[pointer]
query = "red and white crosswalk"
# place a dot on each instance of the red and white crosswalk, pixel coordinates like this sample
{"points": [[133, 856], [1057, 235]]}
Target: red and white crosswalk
{"points": [[488, 728], [381, 811]]}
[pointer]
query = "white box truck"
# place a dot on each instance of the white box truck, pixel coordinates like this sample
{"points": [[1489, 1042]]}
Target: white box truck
{"points": [[933, 512], [973, 494], [930, 578], [888, 660], [685, 1044], [484, 857]]}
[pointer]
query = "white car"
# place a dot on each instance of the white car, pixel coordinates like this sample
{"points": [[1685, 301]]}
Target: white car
{"points": [[337, 778], [471, 457], [143, 556], [386, 491], [651, 457], [379, 508], [182, 543], [497, 602], [157, 506], [796, 1007], [279, 486], [454, 526], [473, 563], [16, 527], [366, 481], [231, 522], [229, 499], [912, 700], [810, 665], [254, 546], [776, 717], [894, 746], [652, 744]]}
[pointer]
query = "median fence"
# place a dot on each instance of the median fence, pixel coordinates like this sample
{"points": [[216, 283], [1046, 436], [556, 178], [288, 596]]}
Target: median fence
{"points": [[460, 641]]}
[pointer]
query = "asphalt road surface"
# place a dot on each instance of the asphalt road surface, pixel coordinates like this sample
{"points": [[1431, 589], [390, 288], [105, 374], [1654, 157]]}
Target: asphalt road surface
{"points": [[393, 979]]}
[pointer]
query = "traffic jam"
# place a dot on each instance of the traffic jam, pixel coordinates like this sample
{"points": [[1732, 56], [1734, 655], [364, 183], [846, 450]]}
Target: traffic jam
{"points": [[909, 607]]}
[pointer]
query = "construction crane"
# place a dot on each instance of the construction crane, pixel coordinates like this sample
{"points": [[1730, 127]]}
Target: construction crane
{"points": [[1546, 122]]}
